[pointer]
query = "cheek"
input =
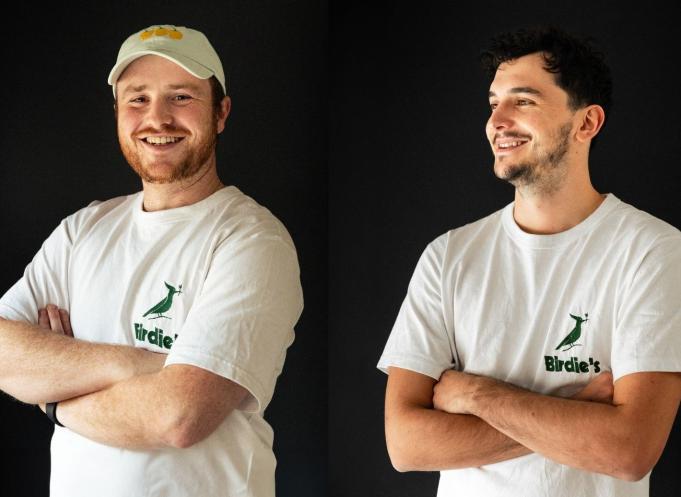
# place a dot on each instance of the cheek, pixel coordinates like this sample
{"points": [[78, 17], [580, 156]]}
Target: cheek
{"points": [[126, 123]]}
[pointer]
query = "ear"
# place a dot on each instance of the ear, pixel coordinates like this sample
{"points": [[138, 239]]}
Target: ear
{"points": [[225, 107], [593, 118]]}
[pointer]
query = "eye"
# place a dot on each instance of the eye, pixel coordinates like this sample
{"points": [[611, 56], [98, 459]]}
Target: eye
{"points": [[182, 97], [136, 100], [524, 102], [493, 105]]}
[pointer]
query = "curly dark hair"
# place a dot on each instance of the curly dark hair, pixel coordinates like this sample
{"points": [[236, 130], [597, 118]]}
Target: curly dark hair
{"points": [[579, 68]]}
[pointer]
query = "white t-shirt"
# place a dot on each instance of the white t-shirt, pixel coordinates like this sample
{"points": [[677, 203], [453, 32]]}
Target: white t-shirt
{"points": [[214, 284], [546, 313]]}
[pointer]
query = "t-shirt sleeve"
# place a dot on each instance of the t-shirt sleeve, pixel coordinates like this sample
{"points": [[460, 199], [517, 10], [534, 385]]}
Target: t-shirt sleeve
{"points": [[44, 280], [648, 330], [241, 323], [419, 339]]}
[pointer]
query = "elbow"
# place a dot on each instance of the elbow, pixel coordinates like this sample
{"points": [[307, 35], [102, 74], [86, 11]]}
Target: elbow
{"points": [[183, 435], [405, 460], [401, 464], [188, 429], [631, 474], [634, 477], [401, 451], [634, 470], [399, 460], [180, 439], [634, 464]]}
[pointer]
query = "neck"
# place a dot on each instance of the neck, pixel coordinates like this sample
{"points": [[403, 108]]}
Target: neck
{"points": [[556, 211], [185, 192]]}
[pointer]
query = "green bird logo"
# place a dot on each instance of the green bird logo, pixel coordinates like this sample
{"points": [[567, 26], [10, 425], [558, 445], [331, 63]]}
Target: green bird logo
{"points": [[165, 304], [569, 341]]}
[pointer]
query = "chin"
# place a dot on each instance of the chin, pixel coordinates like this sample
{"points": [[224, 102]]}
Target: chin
{"points": [[156, 175], [504, 171], [513, 172]]}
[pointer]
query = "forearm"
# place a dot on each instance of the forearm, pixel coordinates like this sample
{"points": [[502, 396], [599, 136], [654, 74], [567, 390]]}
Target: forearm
{"points": [[176, 407], [423, 439], [587, 435], [131, 414], [39, 366]]}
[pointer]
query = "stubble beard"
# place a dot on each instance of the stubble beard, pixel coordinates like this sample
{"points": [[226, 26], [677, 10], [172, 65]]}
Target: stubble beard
{"points": [[544, 175], [158, 170]]}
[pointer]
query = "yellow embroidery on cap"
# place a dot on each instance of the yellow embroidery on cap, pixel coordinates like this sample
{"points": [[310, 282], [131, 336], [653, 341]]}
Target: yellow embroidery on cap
{"points": [[173, 34]]}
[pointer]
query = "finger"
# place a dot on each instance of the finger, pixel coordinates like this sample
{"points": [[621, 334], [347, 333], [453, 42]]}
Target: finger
{"points": [[604, 375], [55, 320], [599, 389], [602, 380], [603, 383], [66, 322], [43, 319]]}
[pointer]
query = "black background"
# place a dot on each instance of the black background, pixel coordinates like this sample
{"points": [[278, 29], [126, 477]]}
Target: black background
{"points": [[408, 160], [60, 152], [362, 128]]}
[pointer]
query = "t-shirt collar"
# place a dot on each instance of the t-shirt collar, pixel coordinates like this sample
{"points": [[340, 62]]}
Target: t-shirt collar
{"points": [[558, 239]]}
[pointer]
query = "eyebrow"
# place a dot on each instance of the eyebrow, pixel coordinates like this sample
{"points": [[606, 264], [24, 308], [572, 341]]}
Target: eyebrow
{"points": [[520, 89], [181, 86]]}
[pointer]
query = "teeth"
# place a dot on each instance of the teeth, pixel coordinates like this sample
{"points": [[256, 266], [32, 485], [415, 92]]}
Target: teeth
{"points": [[509, 145], [161, 140]]}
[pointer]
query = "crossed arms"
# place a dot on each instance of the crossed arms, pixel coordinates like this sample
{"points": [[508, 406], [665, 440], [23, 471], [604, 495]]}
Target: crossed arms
{"points": [[466, 420], [113, 394]]}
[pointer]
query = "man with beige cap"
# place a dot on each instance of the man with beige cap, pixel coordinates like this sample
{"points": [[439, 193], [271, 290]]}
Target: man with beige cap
{"points": [[152, 327]]}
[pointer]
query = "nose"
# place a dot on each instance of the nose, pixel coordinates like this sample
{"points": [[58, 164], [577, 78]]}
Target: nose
{"points": [[159, 114], [501, 117]]}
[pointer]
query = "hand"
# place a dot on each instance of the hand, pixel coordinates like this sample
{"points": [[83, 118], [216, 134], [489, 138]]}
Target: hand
{"points": [[455, 390], [55, 319], [600, 389]]}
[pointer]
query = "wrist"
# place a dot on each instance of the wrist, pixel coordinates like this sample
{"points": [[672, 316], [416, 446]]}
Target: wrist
{"points": [[148, 362], [486, 390], [51, 411]]}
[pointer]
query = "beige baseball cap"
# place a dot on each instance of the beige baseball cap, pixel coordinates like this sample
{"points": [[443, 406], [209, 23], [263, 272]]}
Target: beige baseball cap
{"points": [[188, 48]]}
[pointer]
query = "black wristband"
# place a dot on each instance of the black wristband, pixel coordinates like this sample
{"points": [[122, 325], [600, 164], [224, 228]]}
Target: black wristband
{"points": [[51, 411]]}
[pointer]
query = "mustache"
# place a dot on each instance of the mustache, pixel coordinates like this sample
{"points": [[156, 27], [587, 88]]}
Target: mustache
{"points": [[510, 134], [165, 131]]}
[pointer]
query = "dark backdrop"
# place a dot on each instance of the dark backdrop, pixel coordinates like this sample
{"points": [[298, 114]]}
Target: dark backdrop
{"points": [[408, 160], [59, 152]]}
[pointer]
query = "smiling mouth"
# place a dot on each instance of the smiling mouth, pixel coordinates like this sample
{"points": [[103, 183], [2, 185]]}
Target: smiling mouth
{"points": [[161, 145], [510, 146]]}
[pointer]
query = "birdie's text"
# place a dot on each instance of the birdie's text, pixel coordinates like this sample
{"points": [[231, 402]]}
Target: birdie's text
{"points": [[572, 365], [154, 337]]}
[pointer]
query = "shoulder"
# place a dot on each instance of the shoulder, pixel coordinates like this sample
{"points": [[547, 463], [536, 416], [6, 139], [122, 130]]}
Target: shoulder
{"points": [[240, 216], [85, 218], [640, 230], [468, 237]]}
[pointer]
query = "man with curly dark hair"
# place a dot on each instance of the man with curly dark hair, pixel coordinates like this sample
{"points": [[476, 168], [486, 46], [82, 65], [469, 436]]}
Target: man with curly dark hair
{"points": [[537, 351]]}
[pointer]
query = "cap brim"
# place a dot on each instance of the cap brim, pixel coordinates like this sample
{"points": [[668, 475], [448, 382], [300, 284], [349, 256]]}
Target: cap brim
{"points": [[192, 67]]}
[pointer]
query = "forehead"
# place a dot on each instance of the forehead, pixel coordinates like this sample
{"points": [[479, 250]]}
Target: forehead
{"points": [[526, 72], [153, 71]]}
